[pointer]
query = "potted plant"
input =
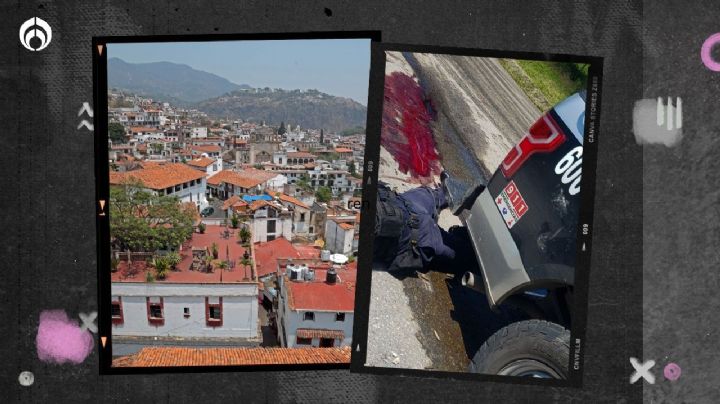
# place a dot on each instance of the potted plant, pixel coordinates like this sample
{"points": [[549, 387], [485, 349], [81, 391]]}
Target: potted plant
{"points": [[246, 262], [234, 221], [173, 260], [244, 235], [149, 277], [201, 228], [114, 264], [208, 263], [214, 249], [161, 267]]}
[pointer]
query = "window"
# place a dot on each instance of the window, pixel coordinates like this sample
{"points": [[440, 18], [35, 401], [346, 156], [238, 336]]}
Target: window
{"points": [[303, 341], [340, 317], [177, 188], [271, 226], [302, 217], [186, 312], [309, 316], [169, 191], [185, 185], [213, 312], [116, 312], [155, 310], [327, 342]]}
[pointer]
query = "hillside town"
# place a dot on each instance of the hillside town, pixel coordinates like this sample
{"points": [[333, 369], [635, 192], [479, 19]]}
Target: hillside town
{"points": [[230, 233]]}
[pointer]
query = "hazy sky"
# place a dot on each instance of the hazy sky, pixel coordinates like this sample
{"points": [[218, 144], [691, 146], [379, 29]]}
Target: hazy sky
{"points": [[338, 67]]}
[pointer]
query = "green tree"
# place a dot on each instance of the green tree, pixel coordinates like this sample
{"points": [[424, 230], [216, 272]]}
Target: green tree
{"points": [[323, 194], [304, 183], [244, 235], [281, 129], [116, 132], [173, 259], [143, 221]]}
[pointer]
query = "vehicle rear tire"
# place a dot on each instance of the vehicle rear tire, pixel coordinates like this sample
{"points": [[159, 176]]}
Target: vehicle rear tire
{"points": [[531, 348]]}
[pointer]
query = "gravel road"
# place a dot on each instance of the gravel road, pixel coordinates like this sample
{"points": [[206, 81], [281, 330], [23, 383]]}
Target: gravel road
{"points": [[429, 321]]}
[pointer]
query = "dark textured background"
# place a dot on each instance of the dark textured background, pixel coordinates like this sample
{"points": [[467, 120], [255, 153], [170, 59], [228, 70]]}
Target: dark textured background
{"points": [[48, 207], [681, 220]]}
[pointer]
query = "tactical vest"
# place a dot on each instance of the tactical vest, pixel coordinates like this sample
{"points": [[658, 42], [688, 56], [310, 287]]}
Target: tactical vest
{"points": [[396, 232]]}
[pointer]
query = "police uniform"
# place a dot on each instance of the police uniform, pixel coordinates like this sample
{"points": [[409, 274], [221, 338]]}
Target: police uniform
{"points": [[407, 236]]}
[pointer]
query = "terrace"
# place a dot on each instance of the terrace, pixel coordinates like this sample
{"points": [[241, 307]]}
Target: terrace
{"points": [[193, 251]]}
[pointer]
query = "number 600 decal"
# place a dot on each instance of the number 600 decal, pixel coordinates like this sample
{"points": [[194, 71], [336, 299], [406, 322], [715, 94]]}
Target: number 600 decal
{"points": [[570, 167]]}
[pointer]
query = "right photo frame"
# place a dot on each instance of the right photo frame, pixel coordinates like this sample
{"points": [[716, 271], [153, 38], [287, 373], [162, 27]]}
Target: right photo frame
{"points": [[475, 255]]}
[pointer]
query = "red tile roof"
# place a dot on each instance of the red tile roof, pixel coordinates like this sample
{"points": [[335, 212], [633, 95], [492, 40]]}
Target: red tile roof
{"points": [[173, 356], [290, 199], [234, 201], [321, 296], [267, 254], [244, 179], [159, 176], [343, 150], [142, 129], [201, 162], [207, 148], [301, 155], [319, 333]]}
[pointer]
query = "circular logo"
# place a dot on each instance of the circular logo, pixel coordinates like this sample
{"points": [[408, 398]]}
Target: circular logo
{"points": [[35, 34], [672, 371], [706, 52], [26, 378]]}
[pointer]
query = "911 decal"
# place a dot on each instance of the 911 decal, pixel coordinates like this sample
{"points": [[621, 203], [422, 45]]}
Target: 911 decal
{"points": [[570, 167], [511, 204]]}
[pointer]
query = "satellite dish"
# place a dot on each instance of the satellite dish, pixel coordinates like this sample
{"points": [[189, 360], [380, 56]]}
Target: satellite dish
{"points": [[338, 258]]}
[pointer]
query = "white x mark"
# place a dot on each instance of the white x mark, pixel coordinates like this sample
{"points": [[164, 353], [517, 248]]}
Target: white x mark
{"points": [[88, 321], [642, 371]]}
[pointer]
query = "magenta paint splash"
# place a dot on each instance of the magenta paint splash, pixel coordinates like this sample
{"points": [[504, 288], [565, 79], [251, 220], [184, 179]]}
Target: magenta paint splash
{"points": [[60, 340], [406, 132]]}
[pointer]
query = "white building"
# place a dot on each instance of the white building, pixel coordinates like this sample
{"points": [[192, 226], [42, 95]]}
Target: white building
{"points": [[199, 132], [188, 310], [209, 165], [320, 312], [300, 214], [270, 220], [171, 179], [339, 234]]}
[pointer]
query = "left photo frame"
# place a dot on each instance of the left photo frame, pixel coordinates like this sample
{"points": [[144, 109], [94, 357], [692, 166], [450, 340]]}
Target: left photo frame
{"points": [[229, 186]]}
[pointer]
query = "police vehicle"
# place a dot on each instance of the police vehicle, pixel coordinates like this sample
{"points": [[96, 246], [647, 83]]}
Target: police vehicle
{"points": [[523, 223]]}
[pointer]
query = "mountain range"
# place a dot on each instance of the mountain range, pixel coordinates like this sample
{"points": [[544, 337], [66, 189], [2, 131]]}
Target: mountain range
{"points": [[218, 97]]}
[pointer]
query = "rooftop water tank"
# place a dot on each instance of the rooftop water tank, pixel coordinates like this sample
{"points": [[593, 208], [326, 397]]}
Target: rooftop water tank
{"points": [[325, 255], [331, 277], [309, 274], [296, 272]]}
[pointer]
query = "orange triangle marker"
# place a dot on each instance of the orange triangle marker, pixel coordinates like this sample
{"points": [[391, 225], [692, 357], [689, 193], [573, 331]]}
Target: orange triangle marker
{"points": [[102, 204], [100, 49], [103, 340]]}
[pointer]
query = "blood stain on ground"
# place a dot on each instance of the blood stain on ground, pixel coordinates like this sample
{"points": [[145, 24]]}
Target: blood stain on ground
{"points": [[406, 129]]}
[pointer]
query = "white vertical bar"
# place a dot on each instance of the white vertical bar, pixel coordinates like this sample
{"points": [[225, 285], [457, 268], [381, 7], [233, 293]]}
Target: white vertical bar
{"points": [[660, 112], [678, 113], [669, 111]]}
